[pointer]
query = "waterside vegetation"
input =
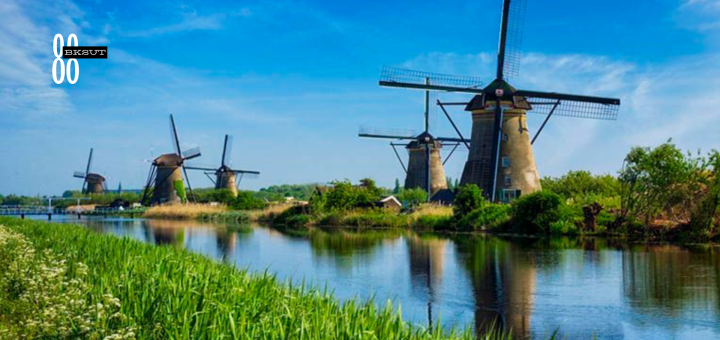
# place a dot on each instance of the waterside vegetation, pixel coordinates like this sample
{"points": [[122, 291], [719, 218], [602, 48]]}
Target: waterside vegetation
{"points": [[67, 282]]}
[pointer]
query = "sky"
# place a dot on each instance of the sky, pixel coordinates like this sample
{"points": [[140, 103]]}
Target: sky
{"points": [[293, 81]]}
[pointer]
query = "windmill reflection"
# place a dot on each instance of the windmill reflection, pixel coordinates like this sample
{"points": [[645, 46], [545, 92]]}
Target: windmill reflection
{"points": [[503, 282], [226, 241], [426, 257]]}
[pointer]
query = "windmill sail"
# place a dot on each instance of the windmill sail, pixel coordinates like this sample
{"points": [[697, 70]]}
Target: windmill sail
{"points": [[79, 174], [399, 77], [513, 39], [227, 150], [191, 153]]}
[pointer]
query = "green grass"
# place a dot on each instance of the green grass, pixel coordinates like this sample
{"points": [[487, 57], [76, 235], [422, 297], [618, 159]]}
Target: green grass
{"points": [[166, 293], [225, 216]]}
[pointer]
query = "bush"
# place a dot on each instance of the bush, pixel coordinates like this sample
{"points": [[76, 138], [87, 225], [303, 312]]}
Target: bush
{"points": [[246, 201], [412, 197], [469, 198], [434, 222], [491, 216], [534, 213], [580, 184], [563, 227]]}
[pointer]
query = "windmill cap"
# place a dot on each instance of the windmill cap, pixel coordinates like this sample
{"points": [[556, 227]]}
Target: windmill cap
{"points": [[490, 94], [422, 139], [94, 177], [168, 159]]}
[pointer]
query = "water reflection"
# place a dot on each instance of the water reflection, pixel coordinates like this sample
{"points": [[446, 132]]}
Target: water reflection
{"points": [[583, 287], [503, 283]]}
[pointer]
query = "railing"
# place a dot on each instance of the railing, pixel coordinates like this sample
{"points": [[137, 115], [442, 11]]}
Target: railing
{"points": [[43, 210]]}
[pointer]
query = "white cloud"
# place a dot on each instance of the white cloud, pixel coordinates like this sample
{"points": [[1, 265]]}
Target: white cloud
{"points": [[190, 21]]}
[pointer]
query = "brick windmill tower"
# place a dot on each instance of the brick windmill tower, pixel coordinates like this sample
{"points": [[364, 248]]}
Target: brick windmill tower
{"points": [[500, 159], [93, 183]]}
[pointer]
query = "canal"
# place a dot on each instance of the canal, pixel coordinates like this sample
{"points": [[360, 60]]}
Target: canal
{"points": [[581, 287]]}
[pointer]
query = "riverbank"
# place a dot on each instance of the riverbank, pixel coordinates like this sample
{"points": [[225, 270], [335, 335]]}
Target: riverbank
{"points": [[99, 285]]}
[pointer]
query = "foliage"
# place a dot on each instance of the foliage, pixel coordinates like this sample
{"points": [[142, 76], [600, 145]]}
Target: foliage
{"points": [[170, 293], [535, 212], [703, 214], [208, 195], [246, 201], [183, 211], [581, 184], [412, 197], [343, 196], [278, 193], [468, 199], [397, 188], [662, 183], [488, 216], [43, 297]]}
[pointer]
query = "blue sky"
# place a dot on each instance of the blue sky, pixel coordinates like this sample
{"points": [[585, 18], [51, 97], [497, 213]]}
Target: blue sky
{"points": [[294, 80]]}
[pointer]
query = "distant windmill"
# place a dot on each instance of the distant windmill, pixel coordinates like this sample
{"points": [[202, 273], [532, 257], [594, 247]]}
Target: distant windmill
{"points": [[92, 183], [165, 177], [225, 176], [500, 159], [425, 167]]}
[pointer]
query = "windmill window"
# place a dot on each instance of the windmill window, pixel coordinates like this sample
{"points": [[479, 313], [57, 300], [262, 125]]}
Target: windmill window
{"points": [[508, 180], [506, 162], [505, 137]]}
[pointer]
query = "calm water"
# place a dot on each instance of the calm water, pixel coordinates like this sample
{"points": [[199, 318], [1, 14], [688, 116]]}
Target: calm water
{"points": [[581, 287]]}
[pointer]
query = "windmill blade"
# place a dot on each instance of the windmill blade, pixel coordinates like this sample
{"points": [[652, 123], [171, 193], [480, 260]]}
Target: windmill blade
{"points": [[191, 167], [247, 173], [450, 139], [191, 153], [398, 77], [89, 163], [78, 174], [174, 136], [370, 132], [572, 105], [227, 150], [150, 180], [509, 52]]}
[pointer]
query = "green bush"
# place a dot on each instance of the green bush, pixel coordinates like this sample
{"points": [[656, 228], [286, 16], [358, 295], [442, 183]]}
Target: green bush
{"points": [[468, 199], [562, 227], [579, 184], [490, 216], [434, 222], [534, 213], [246, 201], [412, 197]]}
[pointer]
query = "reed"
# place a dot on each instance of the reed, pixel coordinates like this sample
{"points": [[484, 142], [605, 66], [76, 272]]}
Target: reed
{"points": [[166, 293], [183, 211]]}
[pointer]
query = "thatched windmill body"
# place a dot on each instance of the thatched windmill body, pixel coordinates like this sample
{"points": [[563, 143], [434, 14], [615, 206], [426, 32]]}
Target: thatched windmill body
{"points": [[500, 159], [93, 183], [166, 174], [226, 177]]}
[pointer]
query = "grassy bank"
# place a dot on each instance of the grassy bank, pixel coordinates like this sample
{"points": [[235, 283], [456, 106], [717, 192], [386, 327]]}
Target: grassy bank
{"points": [[63, 281]]}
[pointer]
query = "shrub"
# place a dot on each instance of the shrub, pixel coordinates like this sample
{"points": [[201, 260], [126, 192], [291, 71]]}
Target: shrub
{"points": [[434, 222], [246, 201], [469, 198], [412, 197], [490, 216], [534, 213], [563, 227]]}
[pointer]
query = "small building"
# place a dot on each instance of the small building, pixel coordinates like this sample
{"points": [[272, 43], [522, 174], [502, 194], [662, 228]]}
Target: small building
{"points": [[389, 202], [443, 197]]}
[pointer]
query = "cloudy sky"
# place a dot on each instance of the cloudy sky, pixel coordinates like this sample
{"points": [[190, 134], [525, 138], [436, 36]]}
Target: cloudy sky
{"points": [[294, 80]]}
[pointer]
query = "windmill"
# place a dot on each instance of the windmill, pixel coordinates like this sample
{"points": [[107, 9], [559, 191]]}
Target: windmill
{"points": [[425, 167], [225, 176], [166, 177], [92, 183], [500, 159]]}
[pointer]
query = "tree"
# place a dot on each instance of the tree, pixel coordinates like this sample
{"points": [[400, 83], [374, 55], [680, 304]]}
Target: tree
{"points": [[397, 188], [413, 196], [535, 212], [468, 199], [246, 201]]}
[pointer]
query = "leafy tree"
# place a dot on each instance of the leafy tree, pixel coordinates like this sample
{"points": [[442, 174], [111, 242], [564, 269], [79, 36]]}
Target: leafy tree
{"points": [[412, 197], [246, 201], [662, 182], [580, 184], [536, 212], [469, 198], [397, 188]]}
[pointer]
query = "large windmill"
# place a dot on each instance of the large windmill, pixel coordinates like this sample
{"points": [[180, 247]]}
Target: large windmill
{"points": [[225, 176], [166, 177], [92, 183], [425, 167], [500, 159]]}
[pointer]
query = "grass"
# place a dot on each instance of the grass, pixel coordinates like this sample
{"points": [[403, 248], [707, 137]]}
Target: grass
{"points": [[151, 292], [183, 211]]}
